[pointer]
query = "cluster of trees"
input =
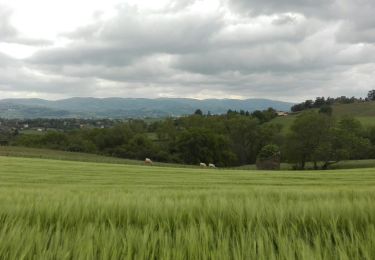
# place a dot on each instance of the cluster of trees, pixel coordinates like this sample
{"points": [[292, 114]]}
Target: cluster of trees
{"points": [[371, 95], [322, 101], [322, 140], [5, 136], [263, 116], [227, 140]]}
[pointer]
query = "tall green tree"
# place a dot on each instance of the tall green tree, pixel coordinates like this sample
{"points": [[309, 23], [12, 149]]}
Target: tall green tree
{"points": [[308, 132], [198, 112], [243, 133], [201, 145], [317, 138], [371, 95]]}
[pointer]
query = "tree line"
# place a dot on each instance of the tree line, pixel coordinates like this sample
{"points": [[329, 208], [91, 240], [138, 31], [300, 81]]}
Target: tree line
{"points": [[226, 140], [322, 101], [236, 138]]}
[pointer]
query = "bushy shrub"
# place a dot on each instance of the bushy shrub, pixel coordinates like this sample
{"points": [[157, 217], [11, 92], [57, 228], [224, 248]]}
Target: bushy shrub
{"points": [[269, 158]]}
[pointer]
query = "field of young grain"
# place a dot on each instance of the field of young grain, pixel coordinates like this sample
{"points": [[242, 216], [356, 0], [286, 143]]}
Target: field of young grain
{"points": [[27, 152], [78, 210]]}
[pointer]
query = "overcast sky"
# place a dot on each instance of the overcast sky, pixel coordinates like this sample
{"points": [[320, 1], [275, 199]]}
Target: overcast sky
{"points": [[281, 49]]}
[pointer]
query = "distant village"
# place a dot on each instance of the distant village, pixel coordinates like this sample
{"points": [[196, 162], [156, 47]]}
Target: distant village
{"points": [[41, 125], [49, 124]]}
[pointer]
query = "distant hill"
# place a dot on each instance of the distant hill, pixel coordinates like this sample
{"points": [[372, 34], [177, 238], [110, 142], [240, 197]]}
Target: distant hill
{"points": [[128, 107], [363, 111]]}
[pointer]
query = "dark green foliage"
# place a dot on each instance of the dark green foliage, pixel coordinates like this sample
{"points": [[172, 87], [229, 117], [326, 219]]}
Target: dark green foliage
{"points": [[321, 101], [371, 135], [235, 138], [266, 115], [137, 147], [269, 151], [371, 95], [326, 109], [308, 131], [269, 158], [198, 112], [200, 145], [316, 137], [226, 140]]}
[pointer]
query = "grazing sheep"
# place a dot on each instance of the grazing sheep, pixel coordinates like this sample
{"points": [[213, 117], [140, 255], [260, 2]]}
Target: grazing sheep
{"points": [[202, 165], [211, 165], [148, 161]]}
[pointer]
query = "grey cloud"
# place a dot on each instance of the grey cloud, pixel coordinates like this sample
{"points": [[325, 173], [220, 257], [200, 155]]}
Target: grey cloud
{"points": [[157, 32], [256, 7], [5, 60], [120, 41], [30, 41], [274, 49], [6, 29], [17, 78], [276, 30], [358, 22], [87, 53], [177, 5], [357, 16], [317, 51], [284, 19]]}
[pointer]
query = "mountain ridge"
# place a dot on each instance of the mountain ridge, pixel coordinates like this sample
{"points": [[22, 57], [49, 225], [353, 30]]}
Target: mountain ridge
{"points": [[115, 107]]}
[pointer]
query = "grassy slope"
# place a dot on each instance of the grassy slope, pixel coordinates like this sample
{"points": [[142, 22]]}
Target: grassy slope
{"points": [[285, 122], [349, 164], [17, 151], [366, 109], [364, 112], [76, 210]]}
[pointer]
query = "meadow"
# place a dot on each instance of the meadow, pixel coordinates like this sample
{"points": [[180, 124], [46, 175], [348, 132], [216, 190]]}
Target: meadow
{"points": [[345, 164], [82, 210], [363, 112], [27, 152]]}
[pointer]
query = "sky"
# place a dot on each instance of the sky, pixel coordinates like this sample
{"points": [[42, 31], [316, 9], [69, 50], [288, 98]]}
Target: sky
{"points": [[288, 50]]}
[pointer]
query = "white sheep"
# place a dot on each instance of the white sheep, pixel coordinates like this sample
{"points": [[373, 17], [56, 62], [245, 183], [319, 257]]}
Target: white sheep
{"points": [[202, 165], [148, 161]]}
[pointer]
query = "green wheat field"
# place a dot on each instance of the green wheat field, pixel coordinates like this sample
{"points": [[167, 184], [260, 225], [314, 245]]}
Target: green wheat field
{"points": [[52, 209]]}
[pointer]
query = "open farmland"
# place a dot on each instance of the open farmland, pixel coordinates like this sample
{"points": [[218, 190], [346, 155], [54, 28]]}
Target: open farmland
{"points": [[76, 210], [26, 152]]}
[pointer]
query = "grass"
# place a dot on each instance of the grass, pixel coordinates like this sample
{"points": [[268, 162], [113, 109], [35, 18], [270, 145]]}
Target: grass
{"points": [[285, 122], [365, 109], [354, 164], [364, 112], [18, 151], [77, 210], [366, 120], [26, 152], [348, 164]]}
